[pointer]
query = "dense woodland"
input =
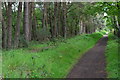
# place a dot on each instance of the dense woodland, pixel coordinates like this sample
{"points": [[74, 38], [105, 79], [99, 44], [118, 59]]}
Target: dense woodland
{"points": [[23, 22], [46, 39]]}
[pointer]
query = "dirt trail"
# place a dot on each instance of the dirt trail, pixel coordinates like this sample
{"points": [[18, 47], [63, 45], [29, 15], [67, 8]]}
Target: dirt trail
{"points": [[92, 64]]}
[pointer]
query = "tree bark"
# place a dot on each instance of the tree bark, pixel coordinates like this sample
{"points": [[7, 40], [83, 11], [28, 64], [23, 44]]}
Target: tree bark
{"points": [[31, 5], [51, 22], [64, 17], [45, 23], [59, 19], [4, 35], [118, 6], [84, 28], [81, 27], [0, 25], [26, 21], [34, 24], [116, 28], [9, 28], [17, 30], [55, 19]]}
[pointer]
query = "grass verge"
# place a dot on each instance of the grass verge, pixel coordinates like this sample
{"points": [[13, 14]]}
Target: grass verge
{"points": [[112, 56], [49, 60]]}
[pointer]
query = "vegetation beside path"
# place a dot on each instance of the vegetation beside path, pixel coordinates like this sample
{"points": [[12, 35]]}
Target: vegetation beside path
{"points": [[112, 56], [47, 60]]}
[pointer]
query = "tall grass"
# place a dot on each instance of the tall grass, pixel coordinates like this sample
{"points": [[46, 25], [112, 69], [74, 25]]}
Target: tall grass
{"points": [[48, 60], [112, 56]]}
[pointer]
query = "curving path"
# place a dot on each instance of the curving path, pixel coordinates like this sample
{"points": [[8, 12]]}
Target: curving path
{"points": [[92, 63]]}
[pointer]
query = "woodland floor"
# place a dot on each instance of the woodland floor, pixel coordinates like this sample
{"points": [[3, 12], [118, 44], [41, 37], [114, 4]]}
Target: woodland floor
{"points": [[92, 64]]}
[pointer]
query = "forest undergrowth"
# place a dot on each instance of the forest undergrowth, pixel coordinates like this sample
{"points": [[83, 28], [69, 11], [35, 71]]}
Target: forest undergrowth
{"points": [[47, 60]]}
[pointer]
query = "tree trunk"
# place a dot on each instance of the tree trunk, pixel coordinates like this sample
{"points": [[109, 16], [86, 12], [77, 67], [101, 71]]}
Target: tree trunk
{"points": [[45, 19], [81, 27], [4, 35], [116, 28], [30, 19], [84, 28], [0, 25], [118, 6], [17, 30], [59, 19], [55, 19], [64, 17], [45, 16], [9, 28], [34, 27], [26, 21], [51, 22]]}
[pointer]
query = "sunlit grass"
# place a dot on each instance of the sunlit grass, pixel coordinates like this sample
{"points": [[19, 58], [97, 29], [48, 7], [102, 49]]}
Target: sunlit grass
{"points": [[53, 62]]}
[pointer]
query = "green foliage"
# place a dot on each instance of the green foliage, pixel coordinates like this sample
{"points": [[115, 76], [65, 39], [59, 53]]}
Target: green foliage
{"points": [[54, 62], [42, 34], [23, 42], [112, 57], [111, 9], [105, 31], [39, 15]]}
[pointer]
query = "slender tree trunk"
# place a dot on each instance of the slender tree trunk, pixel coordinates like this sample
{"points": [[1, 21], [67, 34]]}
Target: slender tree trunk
{"points": [[81, 27], [34, 27], [62, 22], [55, 19], [115, 25], [51, 22], [64, 17], [9, 28], [84, 28], [118, 17], [30, 19], [59, 19], [76, 30], [4, 27], [0, 25], [4, 35], [45, 21], [17, 30], [46, 15], [31, 16], [0, 13], [26, 21]]}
